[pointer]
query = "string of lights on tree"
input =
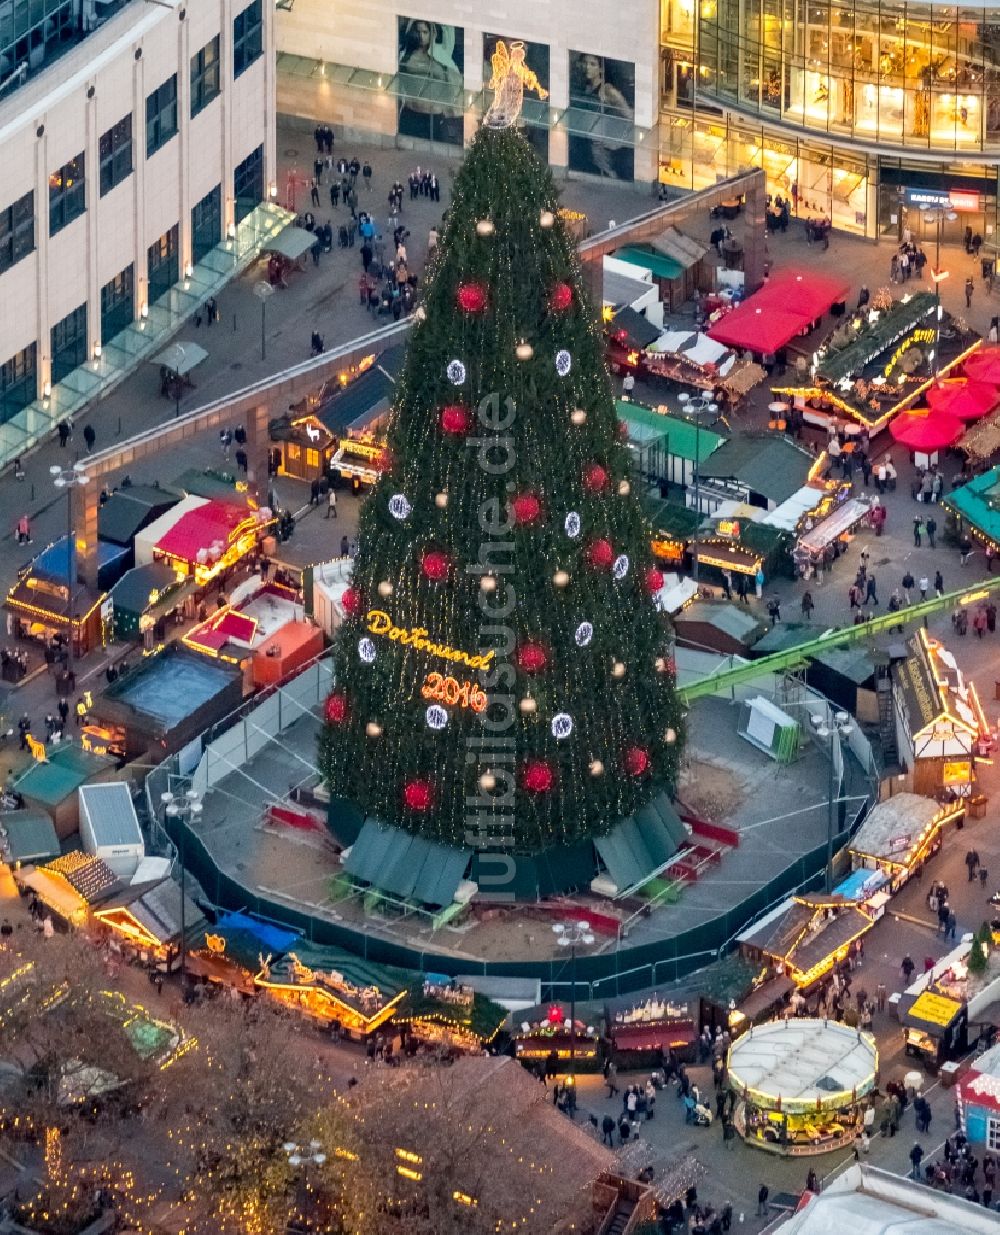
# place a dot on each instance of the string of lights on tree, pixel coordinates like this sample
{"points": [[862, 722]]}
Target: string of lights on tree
{"points": [[579, 674]]}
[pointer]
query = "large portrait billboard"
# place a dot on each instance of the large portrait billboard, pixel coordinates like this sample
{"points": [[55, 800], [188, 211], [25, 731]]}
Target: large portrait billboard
{"points": [[607, 88], [431, 77]]}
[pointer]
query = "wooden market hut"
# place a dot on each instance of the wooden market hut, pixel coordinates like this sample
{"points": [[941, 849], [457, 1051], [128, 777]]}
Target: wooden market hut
{"points": [[150, 592], [440, 1012], [331, 987], [129, 510], [939, 719], [145, 922], [52, 786], [804, 937]]}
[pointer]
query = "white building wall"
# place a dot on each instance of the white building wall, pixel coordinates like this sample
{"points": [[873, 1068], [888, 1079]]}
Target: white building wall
{"points": [[64, 110], [364, 34]]}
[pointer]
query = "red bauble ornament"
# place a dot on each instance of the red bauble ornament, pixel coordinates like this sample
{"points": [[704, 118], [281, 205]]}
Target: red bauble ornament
{"points": [[561, 297], [435, 565], [418, 794], [532, 657], [537, 776], [600, 554], [455, 419], [351, 601], [526, 508], [472, 297], [595, 478], [653, 579], [636, 760], [336, 708]]}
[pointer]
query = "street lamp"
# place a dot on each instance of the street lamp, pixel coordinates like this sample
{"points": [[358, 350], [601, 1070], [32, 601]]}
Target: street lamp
{"points": [[184, 808], [304, 1156], [69, 478], [693, 407], [839, 726], [937, 274], [572, 935]]}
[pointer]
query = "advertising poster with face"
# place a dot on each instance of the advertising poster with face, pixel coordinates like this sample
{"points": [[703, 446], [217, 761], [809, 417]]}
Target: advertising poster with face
{"points": [[605, 86], [431, 76], [536, 57]]}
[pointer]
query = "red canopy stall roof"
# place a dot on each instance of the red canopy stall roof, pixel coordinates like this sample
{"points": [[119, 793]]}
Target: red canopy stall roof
{"points": [[964, 398], [784, 307], [984, 365], [926, 430]]}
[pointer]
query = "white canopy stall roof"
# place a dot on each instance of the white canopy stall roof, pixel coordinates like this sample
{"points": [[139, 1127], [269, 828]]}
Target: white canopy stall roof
{"points": [[787, 515], [803, 1060]]}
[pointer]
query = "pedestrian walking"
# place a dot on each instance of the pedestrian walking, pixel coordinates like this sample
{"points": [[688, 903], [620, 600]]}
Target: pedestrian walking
{"points": [[972, 863], [314, 191], [916, 1157], [608, 1131], [908, 586], [965, 549], [931, 527], [366, 175], [89, 436], [24, 530], [906, 968], [870, 591], [762, 1194], [807, 605], [918, 527], [628, 385], [969, 286], [331, 504], [611, 1077], [939, 583], [924, 585], [63, 430]]}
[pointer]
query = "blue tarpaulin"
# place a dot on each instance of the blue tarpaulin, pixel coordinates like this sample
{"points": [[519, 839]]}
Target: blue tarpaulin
{"points": [[274, 938]]}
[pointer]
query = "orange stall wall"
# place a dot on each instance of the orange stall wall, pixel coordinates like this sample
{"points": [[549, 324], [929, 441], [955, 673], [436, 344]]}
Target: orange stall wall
{"points": [[298, 642]]}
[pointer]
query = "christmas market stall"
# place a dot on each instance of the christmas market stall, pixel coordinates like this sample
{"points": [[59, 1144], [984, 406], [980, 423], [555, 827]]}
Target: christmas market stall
{"points": [[27, 836], [144, 924], [128, 510], [789, 305], [70, 886], [802, 1085], [896, 839], [643, 1030], [262, 629], [804, 937], [360, 453], [940, 724], [445, 1014], [879, 361], [761, 469], [145, 602], [977, 1100], [974, 510], [51, 785], [826, 532], [202, 538], [162, 703], [236, 949], [664, 446], [545, 1035], [334, 989], [38, 602]]}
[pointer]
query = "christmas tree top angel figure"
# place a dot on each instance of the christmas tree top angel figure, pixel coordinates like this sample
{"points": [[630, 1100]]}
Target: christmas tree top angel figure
{"points": [[510, 78]]}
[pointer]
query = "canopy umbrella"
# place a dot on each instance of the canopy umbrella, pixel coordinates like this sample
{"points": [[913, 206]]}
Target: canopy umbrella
{"points": [[181, 358], [984, 365], [925, 430], [960, 397]]}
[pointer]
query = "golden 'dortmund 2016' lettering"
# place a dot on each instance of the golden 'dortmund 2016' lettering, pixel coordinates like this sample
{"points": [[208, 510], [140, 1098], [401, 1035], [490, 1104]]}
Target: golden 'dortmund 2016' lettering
{"points": [[380, 623]]}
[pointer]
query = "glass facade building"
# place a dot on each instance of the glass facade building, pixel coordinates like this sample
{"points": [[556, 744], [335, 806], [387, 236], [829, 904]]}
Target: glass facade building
{"points": [[860, 110]]}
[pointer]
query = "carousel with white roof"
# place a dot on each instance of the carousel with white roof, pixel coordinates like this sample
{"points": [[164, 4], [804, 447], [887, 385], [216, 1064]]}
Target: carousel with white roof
{"points": [[802, 1084]]}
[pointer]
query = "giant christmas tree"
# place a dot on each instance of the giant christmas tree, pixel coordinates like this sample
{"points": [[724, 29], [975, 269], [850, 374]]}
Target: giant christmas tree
{"points": [[502, 673]]}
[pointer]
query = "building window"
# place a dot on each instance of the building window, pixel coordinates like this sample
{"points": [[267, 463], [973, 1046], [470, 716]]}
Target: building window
{"points": [[117, 304], [18, 382], [206, 224], [162, 268], [248, 183], [993, 1135], [67, 194], [69, 343], [116, 154], [248, 37], [204, 76], [161, 115], [17, 231]]}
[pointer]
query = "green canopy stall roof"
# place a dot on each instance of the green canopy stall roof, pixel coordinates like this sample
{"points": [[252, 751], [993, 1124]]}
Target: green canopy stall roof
{"points": [[28, 836], [642, 845], [661, 267], [978, 503], [406, 866], [682, 435]]}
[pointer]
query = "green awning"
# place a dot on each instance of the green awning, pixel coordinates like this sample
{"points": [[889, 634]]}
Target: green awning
{"points": [[682, 435], [642, 845], [406, 866], [29, 836], [661, 267]]}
